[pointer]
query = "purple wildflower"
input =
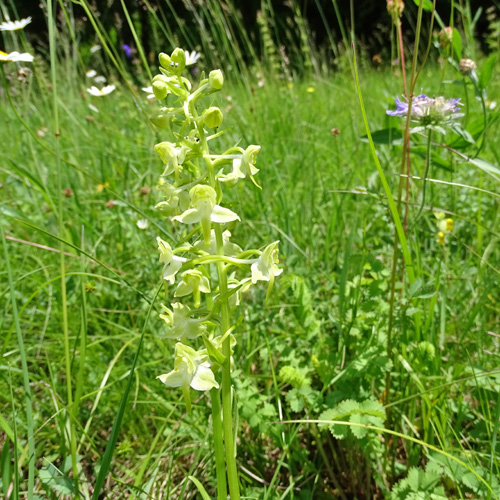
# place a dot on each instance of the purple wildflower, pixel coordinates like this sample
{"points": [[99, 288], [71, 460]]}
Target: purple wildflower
{"points": [[127, 50], [427, 110]]}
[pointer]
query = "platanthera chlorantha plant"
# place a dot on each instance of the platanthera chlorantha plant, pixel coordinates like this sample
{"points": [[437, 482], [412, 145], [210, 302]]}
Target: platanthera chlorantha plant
{"points": [[208, 273]]}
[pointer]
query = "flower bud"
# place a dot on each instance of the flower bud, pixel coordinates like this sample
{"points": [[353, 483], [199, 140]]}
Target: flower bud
{"points": [[203, 194], [466, 65], [160, 120], [160, 89], [216, 79], [212, 117], [165, 60], [161, 78], [445, 36], [395, 9], [179, 59]]}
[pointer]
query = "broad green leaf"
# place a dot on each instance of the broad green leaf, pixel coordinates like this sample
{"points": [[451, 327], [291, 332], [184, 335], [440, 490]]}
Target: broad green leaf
{"points": [[426, 4], [359, 432], [487, 71], [55, 479], [391, 135], [457, 43], [487, 167]]}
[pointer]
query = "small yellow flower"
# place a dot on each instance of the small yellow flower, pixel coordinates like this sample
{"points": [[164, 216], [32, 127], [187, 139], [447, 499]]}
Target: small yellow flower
{"points": [[290, 85], [100, 187], [310, 90], [445, 226]]}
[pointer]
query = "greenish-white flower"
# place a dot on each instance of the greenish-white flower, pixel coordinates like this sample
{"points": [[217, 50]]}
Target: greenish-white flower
{"points": [[173, 156], [191, 369], [175, 197], [182, 326], [172, 262], [193, 281], [205, 210], [243, 167], [265, 268]]}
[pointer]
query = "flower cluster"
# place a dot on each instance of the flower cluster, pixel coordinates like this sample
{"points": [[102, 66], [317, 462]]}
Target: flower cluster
{"points": [[429, 112], [207, 273], [395, 9], [444, 226]]}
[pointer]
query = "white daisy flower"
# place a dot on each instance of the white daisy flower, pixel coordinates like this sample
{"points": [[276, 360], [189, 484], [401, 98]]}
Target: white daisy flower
{"points": [[91, 73], [14, 25], [149, 91], [15, 57], [99, 93], [191, 57], [100, 79]]}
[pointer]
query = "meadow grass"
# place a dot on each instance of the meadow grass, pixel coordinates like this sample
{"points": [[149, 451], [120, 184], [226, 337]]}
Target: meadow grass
{"points": [[70, 207]]}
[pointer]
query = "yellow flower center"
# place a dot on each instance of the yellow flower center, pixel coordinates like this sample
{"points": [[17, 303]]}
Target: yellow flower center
{"points": [[2, 53]]}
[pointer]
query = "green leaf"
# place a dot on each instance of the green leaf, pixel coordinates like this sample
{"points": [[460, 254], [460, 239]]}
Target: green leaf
{"points": [[391, 135], [54, 478], [5, 467], [214, 355], [426, 4], [486, 167], [457, 43], [487, 71], [201, 488], [294, 400], [359, 432]]}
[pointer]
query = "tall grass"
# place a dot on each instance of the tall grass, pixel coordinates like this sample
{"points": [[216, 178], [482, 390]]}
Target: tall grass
{"points": [[82, 344]]}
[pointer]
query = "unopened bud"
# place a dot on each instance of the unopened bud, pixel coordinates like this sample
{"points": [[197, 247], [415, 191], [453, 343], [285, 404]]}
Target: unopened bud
{"points": [[165, 60], [179, 59], [445, 36], [216, 79], [160, 89], [466, 65], [212, 117], [395, 8], [160, 120]]}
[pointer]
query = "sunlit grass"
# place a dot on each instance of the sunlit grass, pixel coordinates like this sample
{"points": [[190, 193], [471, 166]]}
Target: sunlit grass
{"points": [[323, 199]]}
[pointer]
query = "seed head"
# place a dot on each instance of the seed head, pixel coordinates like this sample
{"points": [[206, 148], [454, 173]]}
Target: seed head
{"points": [[395, 9], [466, 65]]}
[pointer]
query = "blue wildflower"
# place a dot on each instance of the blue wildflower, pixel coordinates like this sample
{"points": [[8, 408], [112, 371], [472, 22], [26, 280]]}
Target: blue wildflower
{"points": [[428, 111], [127, 50]]}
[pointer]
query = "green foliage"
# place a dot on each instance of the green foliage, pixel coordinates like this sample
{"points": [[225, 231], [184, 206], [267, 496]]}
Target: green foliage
{"points": [[420, 485], [369, 412], [320, 345]]}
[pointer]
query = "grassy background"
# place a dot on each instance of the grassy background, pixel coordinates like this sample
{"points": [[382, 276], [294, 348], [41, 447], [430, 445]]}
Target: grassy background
{"points": [[86, 190]]}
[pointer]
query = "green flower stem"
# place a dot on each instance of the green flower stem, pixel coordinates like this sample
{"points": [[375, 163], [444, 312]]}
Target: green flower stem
{"points": [[227, 408], [218, 445], [426, 172]]}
